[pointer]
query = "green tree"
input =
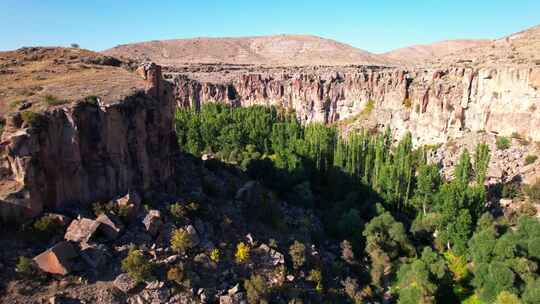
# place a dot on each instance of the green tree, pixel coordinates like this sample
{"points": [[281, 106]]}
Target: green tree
{"points": [[531, 295], [427, 185], [481, 163], [386, 240]]}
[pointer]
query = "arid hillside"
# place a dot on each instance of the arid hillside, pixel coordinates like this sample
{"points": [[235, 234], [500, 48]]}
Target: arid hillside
{"points": [[287, 50], [515, 49], [43, 77], [418, 54]]}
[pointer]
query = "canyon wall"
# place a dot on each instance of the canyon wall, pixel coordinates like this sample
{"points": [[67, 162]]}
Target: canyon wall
{"points": [[433, 104], [88, 151]]}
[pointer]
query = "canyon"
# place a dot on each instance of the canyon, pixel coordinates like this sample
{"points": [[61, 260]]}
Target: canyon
{"points": [[462, 85], [124, 140], [101, 200]]}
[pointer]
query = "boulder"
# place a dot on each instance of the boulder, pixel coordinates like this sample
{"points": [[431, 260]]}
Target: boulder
{"points": [[57, 259], [124, 283], [110, 225], [94, 255], [82, 230], [152, 222]]}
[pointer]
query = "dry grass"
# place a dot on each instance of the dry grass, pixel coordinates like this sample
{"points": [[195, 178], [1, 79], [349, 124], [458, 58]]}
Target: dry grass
{"points": [[51, 77]]}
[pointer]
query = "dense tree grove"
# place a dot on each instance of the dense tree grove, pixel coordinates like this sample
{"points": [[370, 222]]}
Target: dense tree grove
{"points": [[426, 239]]}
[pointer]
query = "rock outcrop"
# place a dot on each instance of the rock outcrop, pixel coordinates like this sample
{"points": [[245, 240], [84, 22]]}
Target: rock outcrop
{"points": [[434, 104], [88, 151]]}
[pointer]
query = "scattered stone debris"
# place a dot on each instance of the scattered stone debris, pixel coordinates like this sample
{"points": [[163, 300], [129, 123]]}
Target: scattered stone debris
{"points": [[124, 283]]}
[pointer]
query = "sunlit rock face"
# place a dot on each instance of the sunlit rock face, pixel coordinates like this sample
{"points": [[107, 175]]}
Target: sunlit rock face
{"points": [[434, 104]]}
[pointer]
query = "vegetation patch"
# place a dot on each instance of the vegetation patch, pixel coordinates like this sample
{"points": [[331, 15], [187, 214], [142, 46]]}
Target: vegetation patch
{"points": [[503, 143], [53, 101], [33, 119], [407, 103], [529, 159], [533, 191], [137, 266], [370, 105], [367, 182]]}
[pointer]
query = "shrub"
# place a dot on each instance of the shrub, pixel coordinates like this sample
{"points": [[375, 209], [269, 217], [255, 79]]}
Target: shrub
{"points": [[457, 266], [506, 297], [503, 143], [370, 105], [102, 207], [215, 255], [33, 119], [181, 241], [527, 209], [407, 103], [74, 45], [124, 211], [256, 289], [529, 159], [47, 225], [53, 101], [92, 99], [242, 253], [352, 290], [315, 276], [510, 190], [137, 266], [533, 191], [298, 254], [178, 211], [25, 266]]}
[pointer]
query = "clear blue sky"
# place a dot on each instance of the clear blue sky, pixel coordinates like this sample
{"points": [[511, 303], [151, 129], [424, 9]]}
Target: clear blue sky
{"points": [[375, 26]]}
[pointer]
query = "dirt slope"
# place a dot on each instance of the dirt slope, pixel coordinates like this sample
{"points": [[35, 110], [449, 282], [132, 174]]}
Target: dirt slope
{"points": [[418, 54], [286, 50]]}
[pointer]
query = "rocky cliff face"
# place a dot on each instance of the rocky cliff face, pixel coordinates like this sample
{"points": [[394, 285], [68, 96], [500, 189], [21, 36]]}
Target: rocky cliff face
{"points": [[434, 104], [89, 151]]}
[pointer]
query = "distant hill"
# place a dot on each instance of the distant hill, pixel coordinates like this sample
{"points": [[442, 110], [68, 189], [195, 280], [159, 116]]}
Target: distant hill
{"points": [[418, 54], [286, 50], [519, 48]]}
